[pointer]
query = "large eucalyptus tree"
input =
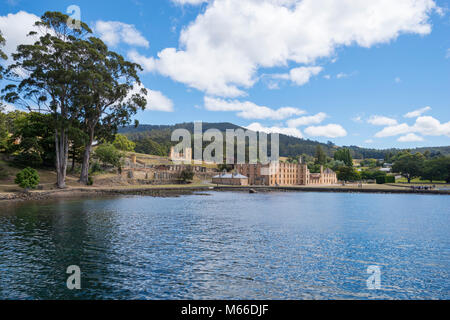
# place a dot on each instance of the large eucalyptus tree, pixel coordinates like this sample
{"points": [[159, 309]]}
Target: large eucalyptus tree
{"points": [[110, 93], [44, 78], [75, 78]]}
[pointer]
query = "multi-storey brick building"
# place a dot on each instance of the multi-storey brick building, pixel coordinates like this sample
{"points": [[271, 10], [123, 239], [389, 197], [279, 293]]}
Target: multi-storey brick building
{"points": [[285, 174]]}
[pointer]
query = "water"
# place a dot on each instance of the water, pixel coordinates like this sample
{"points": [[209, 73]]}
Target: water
{"points": [[228, 246]]}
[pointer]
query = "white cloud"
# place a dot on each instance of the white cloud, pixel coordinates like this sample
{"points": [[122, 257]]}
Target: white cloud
{"points": [[417, 113], [447, 54], [156, 101], [286, 131], [115, 32], [411, 137], [430, 126], [393, 131], [305, 121], [427, 126], [300, 76], [342, 75], [15, 28], [329, 131], [249, 110], [223, 49], [148, 64], [382, 121], [369, 141], [398, 80]]}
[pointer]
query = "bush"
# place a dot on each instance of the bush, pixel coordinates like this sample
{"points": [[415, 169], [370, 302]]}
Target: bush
{"points": [[385, 179], [96, 167], [108, 155], [27, 179], [122, 143], [381, 180], [187, 175], [90, 181]]}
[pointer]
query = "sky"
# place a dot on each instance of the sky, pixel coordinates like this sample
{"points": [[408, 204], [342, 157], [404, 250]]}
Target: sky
{"points": [[355, 72]]}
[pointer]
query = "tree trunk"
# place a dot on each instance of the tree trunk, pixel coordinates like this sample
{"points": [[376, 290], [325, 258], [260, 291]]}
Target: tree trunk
{"points": [[86, 158], [73, 162], [62, 155]]}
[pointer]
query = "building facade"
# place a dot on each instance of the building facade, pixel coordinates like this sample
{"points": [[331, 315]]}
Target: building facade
{"points": [[180, 156], [286, 174], [230, 179]]}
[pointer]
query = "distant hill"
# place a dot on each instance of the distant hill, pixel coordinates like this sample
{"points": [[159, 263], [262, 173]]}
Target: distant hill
{"points": [[289, 146]]}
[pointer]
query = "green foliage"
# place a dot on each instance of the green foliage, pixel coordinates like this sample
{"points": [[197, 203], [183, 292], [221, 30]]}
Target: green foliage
{"points": [[344, 155], [390, 179], [3, 56], [321, 157], [409, 165], [187, 175], [371, 163], [348, 174], [148, 146], [385, 179], [372, 174], [36, 147], [108, 155], [28, 178], [90, 181], [95, 168], [437, 169], [122, 143]]}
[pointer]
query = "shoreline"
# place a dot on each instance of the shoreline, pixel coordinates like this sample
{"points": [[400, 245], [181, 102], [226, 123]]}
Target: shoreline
{"points": [[176, 191]]}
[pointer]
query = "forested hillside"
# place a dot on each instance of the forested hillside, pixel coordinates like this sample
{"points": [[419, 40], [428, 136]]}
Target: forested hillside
{"points": [[155, 139]]}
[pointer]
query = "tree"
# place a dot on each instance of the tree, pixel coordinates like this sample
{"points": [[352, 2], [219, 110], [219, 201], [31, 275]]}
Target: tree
{"points": [[437, 169], [32, 141], [28, 178], [321, 157], [3, 56], [109, 155], [52, 78], [187, 175], [345, 156], [122, 143], [347, 173], [409, 165], [148, 146], [111, 93], [78, 140]]}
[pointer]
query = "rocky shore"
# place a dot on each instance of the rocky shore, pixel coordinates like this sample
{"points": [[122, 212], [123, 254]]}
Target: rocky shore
{"points": [[176, 191]]}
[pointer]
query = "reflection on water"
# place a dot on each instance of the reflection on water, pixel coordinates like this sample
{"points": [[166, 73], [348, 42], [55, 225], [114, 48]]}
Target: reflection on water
{"points": [[228, 246]]}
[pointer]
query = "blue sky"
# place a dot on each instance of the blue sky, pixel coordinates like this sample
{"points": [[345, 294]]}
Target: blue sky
{"points": [[348, 71]]}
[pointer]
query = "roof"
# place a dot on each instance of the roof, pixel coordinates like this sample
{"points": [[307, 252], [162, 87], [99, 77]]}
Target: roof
{"points": [[230, 176], [329, 171]]}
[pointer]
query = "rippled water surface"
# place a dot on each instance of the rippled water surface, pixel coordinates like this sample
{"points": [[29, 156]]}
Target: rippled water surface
{"points": [[228, 246]]}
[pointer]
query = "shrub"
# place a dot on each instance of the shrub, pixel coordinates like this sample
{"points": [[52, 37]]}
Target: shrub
{"points": [[90, 181], [122, 143], [187, 175], [28, 178], [385, 179], [108, 155], [96, 167], [381, 180]]}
